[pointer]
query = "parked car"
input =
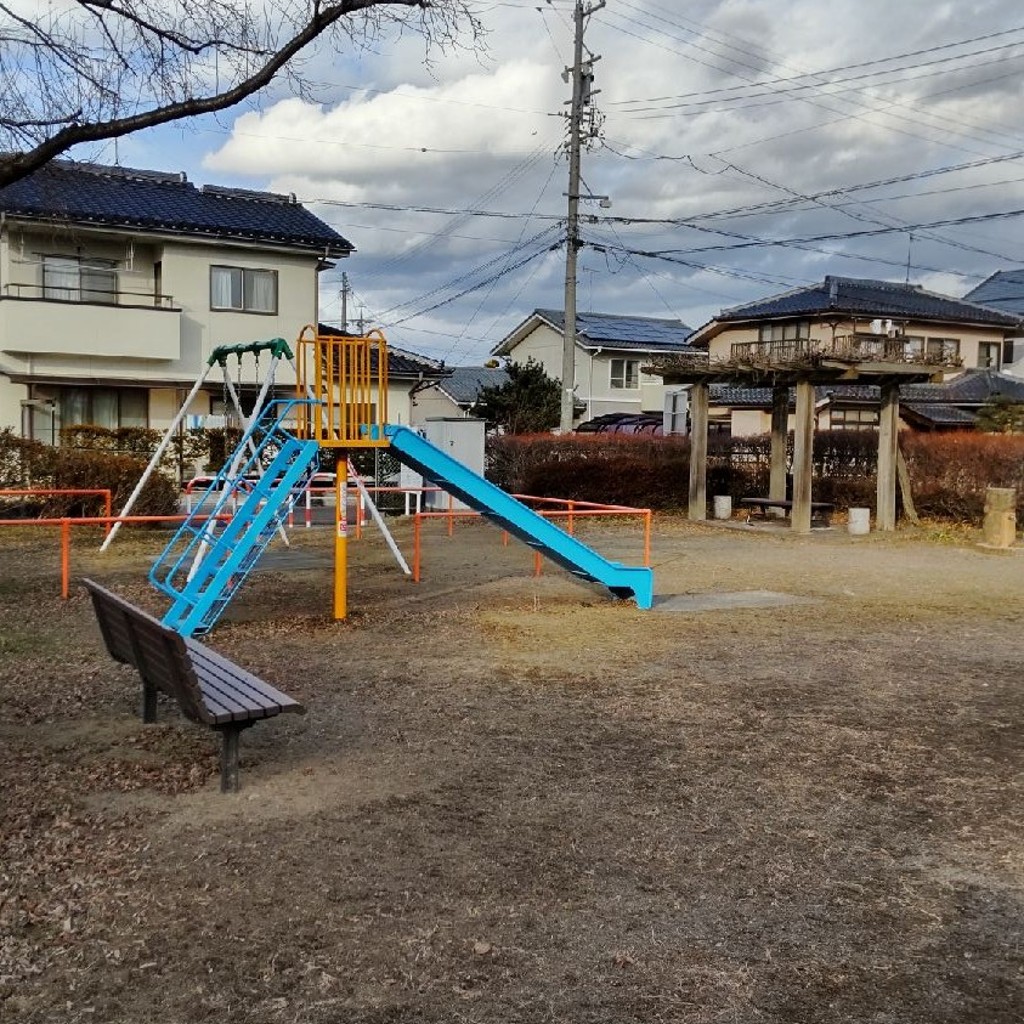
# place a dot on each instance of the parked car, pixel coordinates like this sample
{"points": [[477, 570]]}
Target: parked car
{"points": [[650, 424]]}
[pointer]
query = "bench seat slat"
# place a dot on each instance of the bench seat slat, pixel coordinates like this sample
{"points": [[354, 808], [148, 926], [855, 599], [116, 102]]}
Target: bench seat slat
{"points": [[242, 703], [209, 687], [218, 704], [231, 678], [241, 706]]}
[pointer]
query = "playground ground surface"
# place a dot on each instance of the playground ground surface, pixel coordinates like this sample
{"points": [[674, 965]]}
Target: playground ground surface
{"points": [[513, 800]]}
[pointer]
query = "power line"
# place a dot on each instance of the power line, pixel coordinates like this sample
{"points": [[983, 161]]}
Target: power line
{"points": [[834, 70], [720, 58]]}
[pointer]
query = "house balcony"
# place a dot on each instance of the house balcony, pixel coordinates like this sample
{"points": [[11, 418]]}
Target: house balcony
{"points": [[850, 348], [116, 325]]}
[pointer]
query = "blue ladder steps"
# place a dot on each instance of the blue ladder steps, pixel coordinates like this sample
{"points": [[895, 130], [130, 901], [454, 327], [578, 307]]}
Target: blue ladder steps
{"points": [[206, 562]]}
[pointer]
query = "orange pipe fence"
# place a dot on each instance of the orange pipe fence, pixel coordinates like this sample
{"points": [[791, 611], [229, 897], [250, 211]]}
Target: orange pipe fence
{"points": [[573, 510], [47, 492], [65, 523]]}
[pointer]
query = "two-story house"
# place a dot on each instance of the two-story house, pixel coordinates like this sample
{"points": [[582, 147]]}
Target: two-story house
{"points": [[863, 320], [116, 284], [611, 352], [1004, 290]]}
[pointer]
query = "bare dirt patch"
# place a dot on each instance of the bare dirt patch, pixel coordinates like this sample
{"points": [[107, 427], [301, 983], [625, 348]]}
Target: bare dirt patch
{"points": [[515, 800]]}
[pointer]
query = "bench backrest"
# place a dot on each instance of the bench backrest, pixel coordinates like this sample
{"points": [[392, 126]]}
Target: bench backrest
{"points": [[158, 653]]}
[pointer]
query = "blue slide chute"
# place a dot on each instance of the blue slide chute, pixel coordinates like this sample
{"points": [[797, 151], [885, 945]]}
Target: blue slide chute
{"points": [[501, 508]]}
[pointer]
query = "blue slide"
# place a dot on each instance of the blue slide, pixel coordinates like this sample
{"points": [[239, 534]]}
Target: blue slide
{"points": [[512, 515]]}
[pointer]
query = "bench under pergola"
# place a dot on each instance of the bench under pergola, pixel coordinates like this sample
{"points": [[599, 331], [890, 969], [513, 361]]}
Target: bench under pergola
{"points": [[801, 365]]}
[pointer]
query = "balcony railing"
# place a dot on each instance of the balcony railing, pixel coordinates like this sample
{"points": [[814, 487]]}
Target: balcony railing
{"points": [[88, 296], [867, 348]]}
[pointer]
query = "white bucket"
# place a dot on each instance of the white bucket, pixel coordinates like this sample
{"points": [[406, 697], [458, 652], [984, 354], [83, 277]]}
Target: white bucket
{"points": [[860, 522], [723, 506]]}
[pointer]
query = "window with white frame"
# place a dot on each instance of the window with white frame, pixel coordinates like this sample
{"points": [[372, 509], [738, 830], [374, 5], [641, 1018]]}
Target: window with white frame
{"points": [[913, 346], [625, 374], [109, 407], [989, 353], [79, 279], [243, 290], [853, 419], [943, 348], [787, 330]]}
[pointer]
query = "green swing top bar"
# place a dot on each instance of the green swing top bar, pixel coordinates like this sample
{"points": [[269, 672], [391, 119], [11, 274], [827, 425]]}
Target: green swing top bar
{"points": [[276, 346]]}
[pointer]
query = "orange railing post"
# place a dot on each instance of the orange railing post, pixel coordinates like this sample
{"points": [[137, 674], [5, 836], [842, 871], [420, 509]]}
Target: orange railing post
{"points": [[65, 557], [648, 516]]}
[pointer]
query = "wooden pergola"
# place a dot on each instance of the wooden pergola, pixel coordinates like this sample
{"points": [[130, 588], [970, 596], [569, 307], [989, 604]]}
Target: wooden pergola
{"points": [[782, 368]]}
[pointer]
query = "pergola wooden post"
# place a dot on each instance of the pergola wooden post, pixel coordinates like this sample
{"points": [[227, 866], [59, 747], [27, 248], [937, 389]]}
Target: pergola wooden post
{"points": [[780, 435], [751, 366], [699, 451], [888, 439], [803, 457]]}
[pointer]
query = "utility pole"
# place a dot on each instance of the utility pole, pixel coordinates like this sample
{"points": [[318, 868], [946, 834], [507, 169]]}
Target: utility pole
{"points": [[344, 303], [582, 79]]}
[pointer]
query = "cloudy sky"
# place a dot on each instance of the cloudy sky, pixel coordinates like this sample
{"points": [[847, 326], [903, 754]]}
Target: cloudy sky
{"points": [[747, 147]]}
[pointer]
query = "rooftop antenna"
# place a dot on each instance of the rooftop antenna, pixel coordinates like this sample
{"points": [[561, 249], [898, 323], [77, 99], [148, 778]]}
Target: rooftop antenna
{"points": [[910, 246]]}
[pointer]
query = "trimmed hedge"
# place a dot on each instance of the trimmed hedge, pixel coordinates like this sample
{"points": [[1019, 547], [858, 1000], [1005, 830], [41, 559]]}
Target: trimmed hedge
{"points": [[25, 464], [211, 446], [949, 472]]}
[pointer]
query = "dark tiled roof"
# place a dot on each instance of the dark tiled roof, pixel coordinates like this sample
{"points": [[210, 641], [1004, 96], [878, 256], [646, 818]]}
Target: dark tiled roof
{"points": [[167, 204], [866, 298], [400, 362], [754, 398], [644, 334], [464, 383], [1004, 290], [761, 398], [971, 388], [938, 414]]}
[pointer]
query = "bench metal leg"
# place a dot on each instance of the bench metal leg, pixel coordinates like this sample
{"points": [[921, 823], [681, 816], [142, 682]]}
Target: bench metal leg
{"points": [[229, 760], [229, 755], [148, 703]]}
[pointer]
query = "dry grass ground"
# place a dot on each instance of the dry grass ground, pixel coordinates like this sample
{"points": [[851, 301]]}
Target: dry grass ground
{"points": [[515, 800]]}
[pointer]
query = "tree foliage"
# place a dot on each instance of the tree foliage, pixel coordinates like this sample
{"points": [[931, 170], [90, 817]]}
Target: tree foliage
{"points": [[528, 402], [1001, 415], [89, 70]]}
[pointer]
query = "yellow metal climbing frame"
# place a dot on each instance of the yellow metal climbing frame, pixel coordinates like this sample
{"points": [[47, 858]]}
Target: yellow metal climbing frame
{"points": [[348, 376]]}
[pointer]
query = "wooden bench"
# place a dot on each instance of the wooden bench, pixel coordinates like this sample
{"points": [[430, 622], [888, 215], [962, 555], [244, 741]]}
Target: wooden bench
{"points": [[209, 688], [820, 510]]}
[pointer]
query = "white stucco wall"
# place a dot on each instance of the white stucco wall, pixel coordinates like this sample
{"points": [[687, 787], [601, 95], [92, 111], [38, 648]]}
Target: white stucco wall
{"points": [[139, 339], [432, 402]]}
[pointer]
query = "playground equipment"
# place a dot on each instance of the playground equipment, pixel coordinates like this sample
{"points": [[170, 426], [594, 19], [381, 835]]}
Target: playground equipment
{"points": [[511, 514], [340, 402], [278, 349], [202, 567]]}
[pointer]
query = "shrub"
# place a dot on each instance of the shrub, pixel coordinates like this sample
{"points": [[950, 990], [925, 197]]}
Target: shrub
{"points": [[186, 448], [25, 464], [948, 472]]}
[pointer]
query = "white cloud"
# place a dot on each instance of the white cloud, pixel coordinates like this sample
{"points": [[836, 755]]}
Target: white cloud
{"points": [[704, 112]]}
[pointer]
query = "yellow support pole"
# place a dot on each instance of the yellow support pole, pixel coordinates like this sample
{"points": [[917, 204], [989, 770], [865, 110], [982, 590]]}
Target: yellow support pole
{"points": [[340, 544]]}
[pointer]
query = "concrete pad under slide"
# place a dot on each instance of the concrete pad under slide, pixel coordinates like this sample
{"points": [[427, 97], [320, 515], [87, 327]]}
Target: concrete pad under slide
{"points": [[726, 601]]}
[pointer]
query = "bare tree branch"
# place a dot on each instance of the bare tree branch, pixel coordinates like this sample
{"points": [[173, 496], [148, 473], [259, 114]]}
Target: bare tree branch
{"points": [[107, 68]]}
